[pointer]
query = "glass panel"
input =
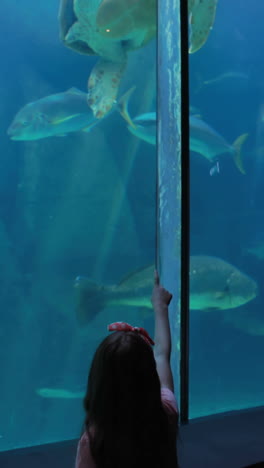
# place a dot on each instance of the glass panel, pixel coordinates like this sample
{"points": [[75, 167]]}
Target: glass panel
{"points": [[73, 204], [169, 168], [227, 230]]}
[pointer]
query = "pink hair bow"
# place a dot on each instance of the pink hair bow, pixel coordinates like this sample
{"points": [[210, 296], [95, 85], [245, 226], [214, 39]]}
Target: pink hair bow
{"points": [[123, 326]]}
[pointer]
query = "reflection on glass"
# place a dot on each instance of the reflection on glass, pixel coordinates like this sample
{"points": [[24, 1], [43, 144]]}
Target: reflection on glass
{"points": [[77, 221], [226, 141]]}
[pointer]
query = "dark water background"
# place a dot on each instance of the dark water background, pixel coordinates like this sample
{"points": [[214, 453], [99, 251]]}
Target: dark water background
{"points": [[84, 204]]}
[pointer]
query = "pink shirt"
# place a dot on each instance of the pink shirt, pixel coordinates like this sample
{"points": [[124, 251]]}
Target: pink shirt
{"points": [[84, 458]]}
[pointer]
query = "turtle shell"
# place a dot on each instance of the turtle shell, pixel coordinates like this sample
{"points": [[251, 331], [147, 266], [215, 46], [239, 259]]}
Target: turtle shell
{"points": [[132, 23], [121, 19], [109, 28]]}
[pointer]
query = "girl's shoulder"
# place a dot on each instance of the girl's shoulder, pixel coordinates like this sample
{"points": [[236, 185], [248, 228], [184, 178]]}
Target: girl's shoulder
{"points": [[84, 458]]}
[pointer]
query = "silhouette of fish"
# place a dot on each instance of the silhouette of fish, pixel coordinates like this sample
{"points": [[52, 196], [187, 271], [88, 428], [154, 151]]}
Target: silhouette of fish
{"points": [[203, 138], [60, 393], [53, 115], [214, 285]]}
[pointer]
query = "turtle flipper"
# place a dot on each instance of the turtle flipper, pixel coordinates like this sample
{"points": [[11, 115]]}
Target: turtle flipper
{"points": [[66, 17], [103, 86], [71, 31], [201, 20]]}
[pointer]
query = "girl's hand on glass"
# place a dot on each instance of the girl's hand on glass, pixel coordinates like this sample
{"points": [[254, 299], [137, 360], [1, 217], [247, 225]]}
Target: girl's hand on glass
{"points": [[160, 296]]}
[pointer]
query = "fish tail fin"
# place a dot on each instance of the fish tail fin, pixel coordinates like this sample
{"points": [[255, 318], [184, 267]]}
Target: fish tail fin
{"points": [[123, 106], [90, 300], [237, 145]]}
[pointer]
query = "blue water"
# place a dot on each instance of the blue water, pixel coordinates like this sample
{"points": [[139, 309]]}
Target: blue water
{"points": [[227, 209], [84, 205]]}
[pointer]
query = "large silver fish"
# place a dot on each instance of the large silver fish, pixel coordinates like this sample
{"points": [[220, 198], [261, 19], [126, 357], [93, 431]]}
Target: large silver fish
{"points": [[214, 285], [203, 138], [53, 115]]}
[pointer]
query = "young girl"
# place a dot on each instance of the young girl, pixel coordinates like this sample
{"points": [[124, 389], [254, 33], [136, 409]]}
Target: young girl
{"points": [[131, 412]]}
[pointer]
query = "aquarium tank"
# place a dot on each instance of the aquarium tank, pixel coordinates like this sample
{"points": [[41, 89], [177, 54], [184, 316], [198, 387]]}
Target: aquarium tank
{"points": [[79, 204]]}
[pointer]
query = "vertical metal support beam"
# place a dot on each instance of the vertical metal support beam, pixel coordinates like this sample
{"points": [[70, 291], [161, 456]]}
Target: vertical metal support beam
{"points": [[185, 214], [173, 180]]}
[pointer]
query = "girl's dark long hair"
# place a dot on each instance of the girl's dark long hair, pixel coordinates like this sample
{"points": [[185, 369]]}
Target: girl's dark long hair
{"points": [[125, 419]]}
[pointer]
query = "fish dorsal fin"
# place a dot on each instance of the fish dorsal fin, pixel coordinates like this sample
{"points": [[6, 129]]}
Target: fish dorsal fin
{"points": [[137, 275], [74, 90]]}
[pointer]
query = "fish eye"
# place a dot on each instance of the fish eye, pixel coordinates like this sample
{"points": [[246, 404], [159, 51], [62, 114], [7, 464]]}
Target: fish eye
{"points": [[24, 123]]}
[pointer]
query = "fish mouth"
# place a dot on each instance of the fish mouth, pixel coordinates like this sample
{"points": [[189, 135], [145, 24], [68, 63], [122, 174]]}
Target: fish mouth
{"points": [[18, 137], [14, 137], [12, 134], [254, 292]]}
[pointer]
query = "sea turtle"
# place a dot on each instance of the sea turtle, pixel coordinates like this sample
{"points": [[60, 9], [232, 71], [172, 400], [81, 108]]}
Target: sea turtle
{"points": [[109, 29], [112, 28]]}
